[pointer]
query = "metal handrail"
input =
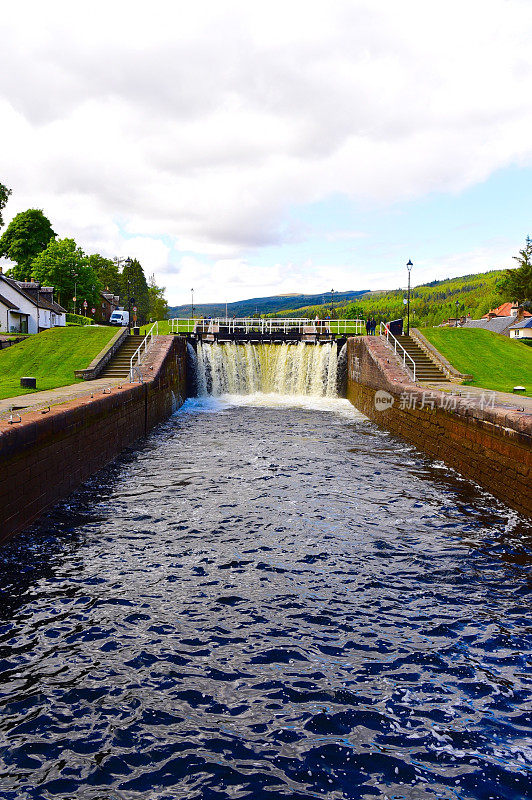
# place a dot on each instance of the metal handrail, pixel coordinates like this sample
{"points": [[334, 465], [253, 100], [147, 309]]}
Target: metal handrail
{"points": [[139, 354], [268, 325], [134, 370], [396, 344]]}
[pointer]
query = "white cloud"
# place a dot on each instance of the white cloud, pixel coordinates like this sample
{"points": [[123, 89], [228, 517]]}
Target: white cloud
{"points": [[206, 123]]}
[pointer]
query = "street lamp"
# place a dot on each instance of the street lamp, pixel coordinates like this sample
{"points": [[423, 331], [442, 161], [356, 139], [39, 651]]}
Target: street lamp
{"points": [[75, 276], [192, 305], [409, 268], [332, 303], [457, 304], [127, 263]]}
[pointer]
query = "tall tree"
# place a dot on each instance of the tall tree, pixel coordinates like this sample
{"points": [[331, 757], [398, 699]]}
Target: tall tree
{"points": [[134, 286], [516, 283], [25, 237], [65, 266], [157, 304], [107, 272], [4, 197]]}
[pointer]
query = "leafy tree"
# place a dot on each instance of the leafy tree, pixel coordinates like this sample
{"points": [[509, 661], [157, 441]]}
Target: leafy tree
{"points": [[25, 237], [107, 272], [4, 197], [65, 266], [516, 283], [134, 286], [157, 304]]}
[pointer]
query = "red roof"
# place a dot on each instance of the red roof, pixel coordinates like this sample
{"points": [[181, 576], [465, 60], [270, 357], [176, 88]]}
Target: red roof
{"points": [[505, 311]]}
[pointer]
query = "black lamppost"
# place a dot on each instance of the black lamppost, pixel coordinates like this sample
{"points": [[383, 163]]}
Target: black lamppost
{"points": [[75, 276], [409, 268], [192, 305], [127, 264], [332, 303]]}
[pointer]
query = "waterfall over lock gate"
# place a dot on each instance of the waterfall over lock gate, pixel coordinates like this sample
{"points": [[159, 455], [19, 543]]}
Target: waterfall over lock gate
{"points": [[287, 369]]}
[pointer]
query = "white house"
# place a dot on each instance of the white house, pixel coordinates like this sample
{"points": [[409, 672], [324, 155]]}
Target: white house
{"points": [[522, 330], [28, 307]]}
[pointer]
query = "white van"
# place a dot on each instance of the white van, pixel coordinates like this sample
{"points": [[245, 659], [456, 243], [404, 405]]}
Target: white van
{"points": [[119, 317]]}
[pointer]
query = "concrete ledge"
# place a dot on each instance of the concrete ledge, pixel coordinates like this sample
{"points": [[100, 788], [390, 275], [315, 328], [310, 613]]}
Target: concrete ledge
{"points": [[97, 364], [8, 341], [438, 358]]}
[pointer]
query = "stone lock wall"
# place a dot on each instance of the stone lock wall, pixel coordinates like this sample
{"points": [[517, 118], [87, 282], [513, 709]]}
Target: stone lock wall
{"points": [[46, 456], [490, 444]]}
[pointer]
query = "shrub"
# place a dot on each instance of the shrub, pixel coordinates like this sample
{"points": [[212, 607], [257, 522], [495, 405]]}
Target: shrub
{"points": [[78, 319]]}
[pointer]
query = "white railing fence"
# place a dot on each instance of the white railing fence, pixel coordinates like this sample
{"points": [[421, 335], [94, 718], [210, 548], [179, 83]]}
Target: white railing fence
{"points": [[136, 359], [398, 349], [267, 326]]}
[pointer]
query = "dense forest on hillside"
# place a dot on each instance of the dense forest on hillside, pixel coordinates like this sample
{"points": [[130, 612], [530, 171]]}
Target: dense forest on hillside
{"points": [[262, 305], [430, 304]]}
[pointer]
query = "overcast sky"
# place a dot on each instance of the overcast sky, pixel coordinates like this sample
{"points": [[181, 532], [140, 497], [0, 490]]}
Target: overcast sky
{"points": [[254, 148]]}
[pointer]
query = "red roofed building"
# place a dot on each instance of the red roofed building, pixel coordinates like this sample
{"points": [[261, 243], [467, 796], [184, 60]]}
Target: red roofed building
{"points": [[508, 310]]}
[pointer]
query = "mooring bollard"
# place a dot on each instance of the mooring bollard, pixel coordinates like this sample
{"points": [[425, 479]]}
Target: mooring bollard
{"points": [[28, 383]]}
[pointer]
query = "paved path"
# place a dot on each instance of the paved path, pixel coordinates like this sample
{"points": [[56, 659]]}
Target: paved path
{"points": [[514, 401], [52, 397]]}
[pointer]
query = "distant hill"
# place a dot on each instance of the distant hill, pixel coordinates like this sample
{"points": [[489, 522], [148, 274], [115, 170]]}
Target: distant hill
{"points": [[263, 305], [430, 303]]}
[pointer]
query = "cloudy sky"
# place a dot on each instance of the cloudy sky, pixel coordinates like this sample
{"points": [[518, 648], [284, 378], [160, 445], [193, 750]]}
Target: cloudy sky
{"points": [[254, 148]]}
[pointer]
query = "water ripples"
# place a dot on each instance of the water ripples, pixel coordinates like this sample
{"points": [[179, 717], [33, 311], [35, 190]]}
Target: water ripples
{"points": [[268, 603]]}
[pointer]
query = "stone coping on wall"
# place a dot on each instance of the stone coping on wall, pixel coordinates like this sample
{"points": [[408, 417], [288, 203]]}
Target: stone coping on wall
{"points": [[488, 409], [98, 363]]}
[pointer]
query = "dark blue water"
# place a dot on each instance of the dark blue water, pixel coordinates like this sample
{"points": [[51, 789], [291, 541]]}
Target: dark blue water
{"points": [[268, 603]]}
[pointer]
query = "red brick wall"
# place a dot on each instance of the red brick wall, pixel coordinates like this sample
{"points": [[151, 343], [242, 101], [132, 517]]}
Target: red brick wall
{"points": [[491, 446], [46, 456]]}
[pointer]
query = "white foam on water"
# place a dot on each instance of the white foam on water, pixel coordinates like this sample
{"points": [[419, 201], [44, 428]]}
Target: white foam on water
{"points": [[203, 405], [268, 376], [337, 405]]}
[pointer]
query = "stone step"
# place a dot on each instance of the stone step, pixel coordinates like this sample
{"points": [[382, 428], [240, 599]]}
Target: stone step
{"points": [[426, 369], [118, 366]]}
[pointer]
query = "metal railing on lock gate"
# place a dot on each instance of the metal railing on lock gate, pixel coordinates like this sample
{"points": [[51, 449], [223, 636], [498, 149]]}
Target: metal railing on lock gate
{"points": [[268, 326]]}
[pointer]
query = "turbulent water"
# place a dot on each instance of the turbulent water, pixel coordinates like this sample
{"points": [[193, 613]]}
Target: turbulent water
{"points": [[288, 369], [269, 598]]}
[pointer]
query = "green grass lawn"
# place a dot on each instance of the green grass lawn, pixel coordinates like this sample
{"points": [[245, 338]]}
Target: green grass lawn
{"points": [[51, 357], [164, 327], [496, 362]]}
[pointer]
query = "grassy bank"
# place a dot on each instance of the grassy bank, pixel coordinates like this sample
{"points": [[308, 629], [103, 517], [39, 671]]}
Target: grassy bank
{"points": [[164, 328], [496, 362], [51, 357]]}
